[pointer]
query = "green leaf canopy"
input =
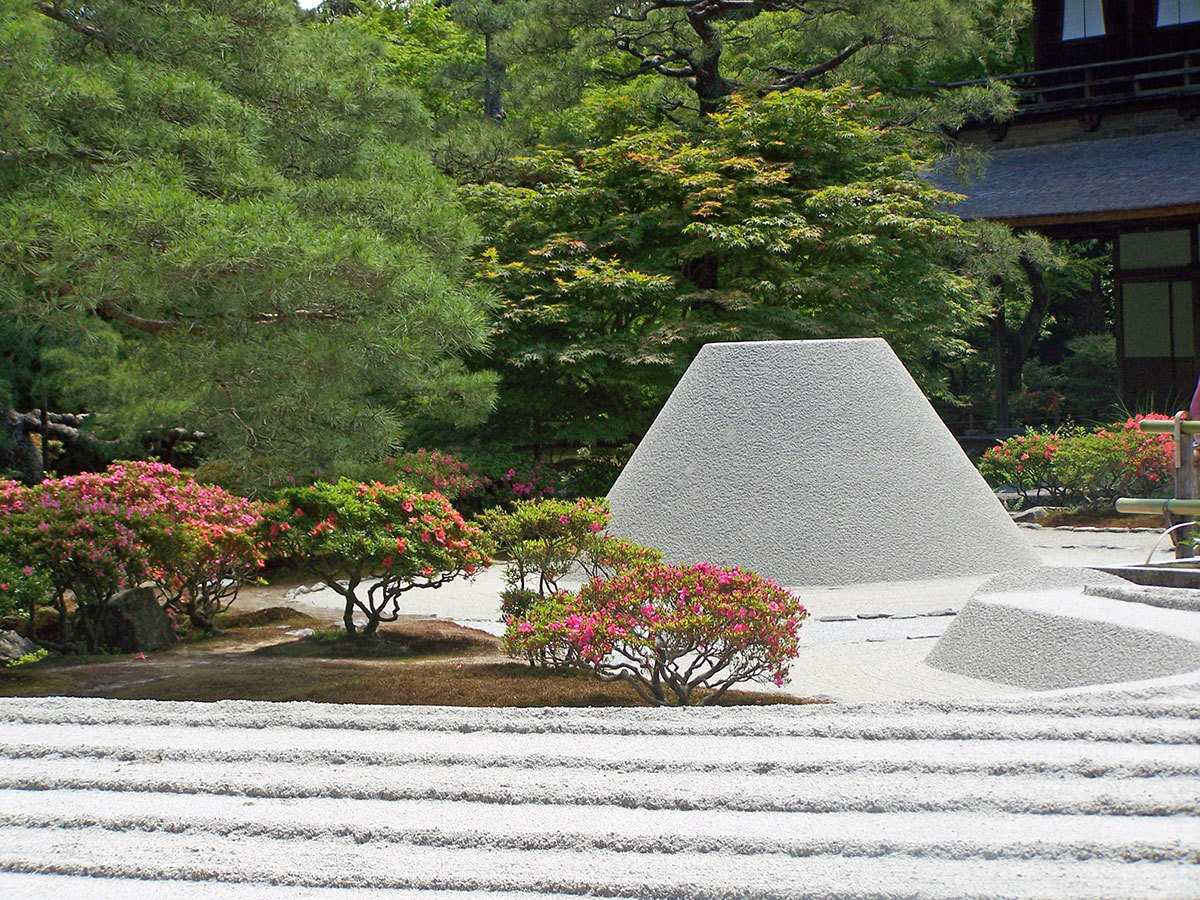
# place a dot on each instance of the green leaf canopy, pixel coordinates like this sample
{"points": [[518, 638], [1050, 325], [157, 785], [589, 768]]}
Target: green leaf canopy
{"points": [[232, 217]]}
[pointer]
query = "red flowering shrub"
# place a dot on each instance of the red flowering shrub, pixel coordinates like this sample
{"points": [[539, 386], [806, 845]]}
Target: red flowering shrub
{"points": [[206, 546], [669, 629], [1117, 460], [1026, 462], [543, 540], [349, 532], [431, 470], [1079, 466], [469, 484]]}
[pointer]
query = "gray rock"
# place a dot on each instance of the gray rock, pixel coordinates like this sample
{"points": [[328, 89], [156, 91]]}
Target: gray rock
{"points": [[13, 646], [302, 632], [134, 621], [1033, 514], [939, 612], [874, 615], [835, 618]]}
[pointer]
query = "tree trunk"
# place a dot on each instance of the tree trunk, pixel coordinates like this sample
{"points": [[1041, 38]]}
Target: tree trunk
{"points": [[703, 271], [17, 449], [710, 85], [494, 71], [1000, 349], [1021, 341]]}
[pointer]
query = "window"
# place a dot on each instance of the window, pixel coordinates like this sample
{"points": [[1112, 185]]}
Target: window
{"points": [[1177, 12], [1157, 316], [1155, 249], [1085, 18]]}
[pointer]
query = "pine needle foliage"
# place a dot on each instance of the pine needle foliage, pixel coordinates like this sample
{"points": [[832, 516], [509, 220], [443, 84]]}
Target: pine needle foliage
{"points": [[233, 217]]}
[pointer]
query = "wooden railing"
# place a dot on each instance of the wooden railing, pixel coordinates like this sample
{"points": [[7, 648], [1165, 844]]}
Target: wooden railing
{"points": [[1114, 81], [1181, 511]]}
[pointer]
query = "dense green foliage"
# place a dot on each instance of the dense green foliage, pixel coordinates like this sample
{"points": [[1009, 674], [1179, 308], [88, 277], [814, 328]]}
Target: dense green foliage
{"points": [[226, 235], [793, 217], [230, 220]]}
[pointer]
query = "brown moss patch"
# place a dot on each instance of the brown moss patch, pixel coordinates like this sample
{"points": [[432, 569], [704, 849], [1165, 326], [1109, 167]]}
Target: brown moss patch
{"points": [[271, 615], [1099, 518], [423, 638]]}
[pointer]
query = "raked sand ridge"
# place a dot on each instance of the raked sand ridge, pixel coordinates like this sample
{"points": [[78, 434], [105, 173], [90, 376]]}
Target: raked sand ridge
{"points": [[1083, 795]]}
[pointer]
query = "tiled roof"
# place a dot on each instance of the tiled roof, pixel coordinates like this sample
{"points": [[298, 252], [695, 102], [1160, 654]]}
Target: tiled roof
{"points": [[1144, 172]]}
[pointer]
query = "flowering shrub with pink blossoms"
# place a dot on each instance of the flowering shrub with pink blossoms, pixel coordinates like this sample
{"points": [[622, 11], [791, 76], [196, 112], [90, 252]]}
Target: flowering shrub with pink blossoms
{"points": [[430, 470], [22, 589], [1117, 460], [543, 540], [470, 484], [84, 539], [90, 536], [667, 630], [1078, 466], [205, 544], [350, 532]]}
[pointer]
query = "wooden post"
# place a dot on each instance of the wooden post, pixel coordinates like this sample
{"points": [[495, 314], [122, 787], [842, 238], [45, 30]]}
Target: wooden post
{"points": [[1185, 482]]}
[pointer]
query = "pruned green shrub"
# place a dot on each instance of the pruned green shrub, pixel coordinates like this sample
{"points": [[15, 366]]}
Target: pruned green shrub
{"points": [[397, 539], [544, 540]]}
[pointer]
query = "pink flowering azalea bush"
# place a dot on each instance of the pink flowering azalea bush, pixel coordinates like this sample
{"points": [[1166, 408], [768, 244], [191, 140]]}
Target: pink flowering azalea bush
{"points": [[543, 540], [470, 484], [1079, 466], [22, 589], [205, 545], [668, 630], [89, 536], [1026, 462], [84, 539], [431, 470], [396, 538], [1115, 461]]}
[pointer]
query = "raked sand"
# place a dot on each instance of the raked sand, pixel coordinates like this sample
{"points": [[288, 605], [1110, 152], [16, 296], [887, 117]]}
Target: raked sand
{"points": [[1083, 795]]}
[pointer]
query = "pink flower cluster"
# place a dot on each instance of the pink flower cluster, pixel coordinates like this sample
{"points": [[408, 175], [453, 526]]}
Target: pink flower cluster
{"points": [[96, 533], [671, 628]]}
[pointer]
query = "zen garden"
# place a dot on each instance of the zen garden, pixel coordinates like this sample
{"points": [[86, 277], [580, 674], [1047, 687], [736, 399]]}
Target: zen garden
{"points": [[676, 449]]}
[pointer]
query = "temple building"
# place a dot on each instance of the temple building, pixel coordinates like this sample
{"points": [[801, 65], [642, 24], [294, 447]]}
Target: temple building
{"points": [[1106, 144]]}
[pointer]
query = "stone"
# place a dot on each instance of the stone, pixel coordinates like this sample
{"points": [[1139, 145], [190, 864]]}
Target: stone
{"points": [[134, 621], [13, 646], [813, 463], [1032, 515]]}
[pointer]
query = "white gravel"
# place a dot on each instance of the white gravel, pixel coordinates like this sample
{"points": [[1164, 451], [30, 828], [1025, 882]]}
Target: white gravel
{"points": [[1083, 795]]}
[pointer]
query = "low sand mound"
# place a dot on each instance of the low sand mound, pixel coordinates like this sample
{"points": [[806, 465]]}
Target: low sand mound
{"points": [[1065, 627], [813, 463], [1085, 796]]}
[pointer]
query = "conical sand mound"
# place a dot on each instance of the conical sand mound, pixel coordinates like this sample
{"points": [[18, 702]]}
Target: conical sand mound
{"points": [[811, 462]]}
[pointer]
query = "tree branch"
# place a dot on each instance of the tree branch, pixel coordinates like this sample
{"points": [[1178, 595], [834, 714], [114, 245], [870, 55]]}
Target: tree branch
{"points": [[75, 23], [802, 78]]}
